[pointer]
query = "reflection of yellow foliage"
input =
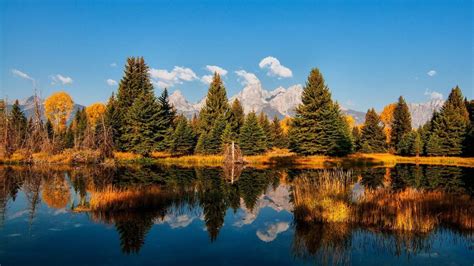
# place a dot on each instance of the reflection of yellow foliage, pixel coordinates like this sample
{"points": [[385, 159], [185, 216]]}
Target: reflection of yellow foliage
{"points": [[94, 113], [413, 210], [56, 192], [115, 198], [58, 108], [322, 198]]}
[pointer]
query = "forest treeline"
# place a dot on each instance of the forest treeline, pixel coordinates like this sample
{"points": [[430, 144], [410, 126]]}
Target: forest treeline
{"points": [[135, 120]]}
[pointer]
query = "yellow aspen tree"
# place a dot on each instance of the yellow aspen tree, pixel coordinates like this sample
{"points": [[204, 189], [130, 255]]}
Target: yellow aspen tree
{"points": [[95, 113], [58, 108]]}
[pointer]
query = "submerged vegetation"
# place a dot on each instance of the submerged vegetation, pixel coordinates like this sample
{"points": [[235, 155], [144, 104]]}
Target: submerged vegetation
{"points": [[134, 121]]}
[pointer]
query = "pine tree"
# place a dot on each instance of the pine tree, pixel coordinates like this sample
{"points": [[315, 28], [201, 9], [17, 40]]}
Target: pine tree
{"points": [[401, 124], [201, 143], [216, 104], [183, 140], [237, 117], [252, 138], [417, 147], [451, 124], [433, 146], [278, 137], [372, 137], [227, 135], [134, 83], [141, 126], [410, 144], [356, 136], [17, 126], [318, 126], [265, 125], [113, 120], [165, 122], [213, 141], [469, 141], [79, 126]]}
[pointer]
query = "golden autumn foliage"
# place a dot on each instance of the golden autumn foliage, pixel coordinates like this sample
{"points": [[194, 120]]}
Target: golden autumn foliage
{"points": [[387, 115], [285, 124], [95, 112], [350, 121], [56, 192], [58, 108]]}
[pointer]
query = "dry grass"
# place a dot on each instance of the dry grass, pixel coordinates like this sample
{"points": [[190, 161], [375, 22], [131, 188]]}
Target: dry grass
{"points": [[324, 197], [390, 159], [126, 156], [114, 198], [414, 210]]}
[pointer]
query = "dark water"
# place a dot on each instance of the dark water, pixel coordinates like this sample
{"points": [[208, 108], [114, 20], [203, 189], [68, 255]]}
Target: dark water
{"points": [[418, 215]]}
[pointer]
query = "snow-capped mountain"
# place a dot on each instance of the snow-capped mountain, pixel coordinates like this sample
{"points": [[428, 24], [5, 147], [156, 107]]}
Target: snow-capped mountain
{"points": [[279, 102], [422, 112]]}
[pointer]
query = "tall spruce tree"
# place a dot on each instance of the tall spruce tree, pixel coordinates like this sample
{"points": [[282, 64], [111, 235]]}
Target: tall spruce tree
{"points": [[17, 126], [142, 126], [356, 136], [183, 139], [372, 139], [265, 125], [216, 104], [318, 126], [252, 138], [469, 141], [213, 140], [278, 137], [410, 144], [451, 124], [166, 115], [135, 82], [401, 124], [112, 120], [237, 117]]}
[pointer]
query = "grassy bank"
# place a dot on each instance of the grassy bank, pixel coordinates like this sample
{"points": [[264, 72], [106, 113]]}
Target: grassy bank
{"points": [[276, 157]]}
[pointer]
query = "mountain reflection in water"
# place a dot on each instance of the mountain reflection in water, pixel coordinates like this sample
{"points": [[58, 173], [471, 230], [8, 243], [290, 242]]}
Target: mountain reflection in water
{"points": [[329, 216]]}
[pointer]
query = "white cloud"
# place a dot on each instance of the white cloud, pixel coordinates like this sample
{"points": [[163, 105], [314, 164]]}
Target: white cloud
{"points": [[432, 73], [217, 69], [275, 68], [207, 79], [58, 78], [113, 64], [433, 95], [247, 78], [272, 231], [111, 82], [21, 74], [164, 78]]}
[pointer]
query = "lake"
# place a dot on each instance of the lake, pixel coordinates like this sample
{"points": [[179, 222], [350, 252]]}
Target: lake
{"points": [[407, 214]]}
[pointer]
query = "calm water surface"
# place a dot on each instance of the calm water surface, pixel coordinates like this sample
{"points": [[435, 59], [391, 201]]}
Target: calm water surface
{"points": [[417, 215]]}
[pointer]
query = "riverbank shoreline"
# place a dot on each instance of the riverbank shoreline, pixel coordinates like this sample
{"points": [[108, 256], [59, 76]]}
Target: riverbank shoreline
{"points": [[274, 158]]}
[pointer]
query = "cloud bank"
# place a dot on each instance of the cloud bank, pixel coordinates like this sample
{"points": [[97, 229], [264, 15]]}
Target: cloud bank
{"points": [[167, 79], [60, 79], [247, 78], [207, 79], [275, 68]]}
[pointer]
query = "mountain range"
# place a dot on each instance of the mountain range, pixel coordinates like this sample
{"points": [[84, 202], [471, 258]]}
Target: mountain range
{"points": [[280, 102]]}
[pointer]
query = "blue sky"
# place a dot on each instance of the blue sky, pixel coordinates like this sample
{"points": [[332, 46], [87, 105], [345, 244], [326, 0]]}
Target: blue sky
{"points": [[370, 52]]}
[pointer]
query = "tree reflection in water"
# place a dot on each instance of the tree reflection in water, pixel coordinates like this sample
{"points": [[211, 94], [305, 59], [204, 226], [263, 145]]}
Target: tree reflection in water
{"points": [[399, 209]]}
